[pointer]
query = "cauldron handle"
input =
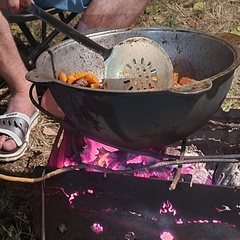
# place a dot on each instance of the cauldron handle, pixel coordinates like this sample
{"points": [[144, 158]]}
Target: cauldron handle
{"points": [[39, 77], [38, 106], [64, 122], [233, 39]]}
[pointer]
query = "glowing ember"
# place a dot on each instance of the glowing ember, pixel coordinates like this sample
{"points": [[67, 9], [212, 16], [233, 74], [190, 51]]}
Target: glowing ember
{"points": [[93, 153], [97, 228], [90, 191], [72, 196], [179, 221], [224, 208], [168, 208], [166, 236], [97, 154], [165, 215]]}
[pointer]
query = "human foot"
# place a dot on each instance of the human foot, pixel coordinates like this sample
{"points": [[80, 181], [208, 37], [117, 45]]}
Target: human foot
{"points": [[20, 103]]}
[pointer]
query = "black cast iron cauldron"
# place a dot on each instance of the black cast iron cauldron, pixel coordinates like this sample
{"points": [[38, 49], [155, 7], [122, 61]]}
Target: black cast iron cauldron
{"points": [[141, 120]]}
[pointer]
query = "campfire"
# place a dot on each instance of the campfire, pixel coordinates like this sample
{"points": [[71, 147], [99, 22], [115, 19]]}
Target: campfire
{"points": [[126, 194], [142, 164], [103, 156]]}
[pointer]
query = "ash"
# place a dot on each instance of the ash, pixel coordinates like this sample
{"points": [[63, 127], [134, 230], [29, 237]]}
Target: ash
{"points": [[227, 174], [130, 236], [195, 173]]}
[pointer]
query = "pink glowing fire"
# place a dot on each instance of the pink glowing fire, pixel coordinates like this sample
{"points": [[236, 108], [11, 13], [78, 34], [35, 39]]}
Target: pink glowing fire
{"points": [[168, 208], [97, 228], [97, 154], [166, 236]]}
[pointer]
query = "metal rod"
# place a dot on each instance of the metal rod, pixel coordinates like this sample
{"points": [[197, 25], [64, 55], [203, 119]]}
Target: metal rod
{"points": [[104, 170], [43, 226], [68, 31]]}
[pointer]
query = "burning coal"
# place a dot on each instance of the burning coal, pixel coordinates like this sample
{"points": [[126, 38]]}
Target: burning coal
{"points": [[97, 154]]}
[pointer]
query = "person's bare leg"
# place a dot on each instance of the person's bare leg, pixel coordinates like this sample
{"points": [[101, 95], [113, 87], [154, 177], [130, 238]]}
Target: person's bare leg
{"points": [[13, 71], [101, 14], [111, 14]]}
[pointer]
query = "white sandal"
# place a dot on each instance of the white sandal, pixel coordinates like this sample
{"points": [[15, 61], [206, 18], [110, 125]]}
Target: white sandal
{"points": [[18, 127]]}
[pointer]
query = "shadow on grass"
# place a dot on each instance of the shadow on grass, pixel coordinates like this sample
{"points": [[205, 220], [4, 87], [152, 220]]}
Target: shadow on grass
{"points": [[16, 211]]}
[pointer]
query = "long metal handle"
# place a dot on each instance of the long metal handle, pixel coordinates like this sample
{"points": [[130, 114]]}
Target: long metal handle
{"points": [[68, 31]]}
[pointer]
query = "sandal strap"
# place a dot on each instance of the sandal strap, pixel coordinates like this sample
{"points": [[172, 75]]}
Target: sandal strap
{"points": [[15, 125]]}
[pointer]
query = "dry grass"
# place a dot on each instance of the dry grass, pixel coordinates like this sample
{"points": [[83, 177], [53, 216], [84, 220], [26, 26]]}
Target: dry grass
{"points": [[216, 16]]}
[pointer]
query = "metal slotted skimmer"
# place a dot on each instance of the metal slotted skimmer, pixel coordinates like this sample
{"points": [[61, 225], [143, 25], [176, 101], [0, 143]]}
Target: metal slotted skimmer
{"points": [[140, 64], [136, 63]]}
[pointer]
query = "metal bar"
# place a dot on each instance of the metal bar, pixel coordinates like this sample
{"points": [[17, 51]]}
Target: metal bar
{"points": [[68, 31], [28, 34], [42, 46], [43, 226]]}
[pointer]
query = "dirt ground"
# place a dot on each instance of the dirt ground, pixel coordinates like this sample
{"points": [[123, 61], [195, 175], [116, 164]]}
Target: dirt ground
{"points": [[209, 16]]}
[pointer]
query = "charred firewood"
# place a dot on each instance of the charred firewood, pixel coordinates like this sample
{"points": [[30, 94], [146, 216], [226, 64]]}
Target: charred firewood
{"points": [[227, 174]]}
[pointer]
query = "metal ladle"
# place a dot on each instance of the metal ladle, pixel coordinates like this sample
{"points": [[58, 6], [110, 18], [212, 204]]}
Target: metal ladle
{"points": [[133, 64]]}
